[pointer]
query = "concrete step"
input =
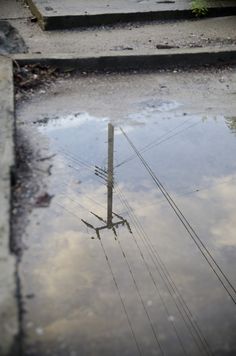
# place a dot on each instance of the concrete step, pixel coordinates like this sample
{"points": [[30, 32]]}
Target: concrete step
{"points": [[131, 38], [164, 59], [59, 14]]}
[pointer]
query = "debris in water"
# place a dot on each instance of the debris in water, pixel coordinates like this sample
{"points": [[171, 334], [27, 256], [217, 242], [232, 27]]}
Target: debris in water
{"points": [[43, 200]]}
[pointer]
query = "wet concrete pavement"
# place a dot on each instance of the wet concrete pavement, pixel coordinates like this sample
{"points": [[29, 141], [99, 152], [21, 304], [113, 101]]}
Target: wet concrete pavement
{"points": [[150, 292]]}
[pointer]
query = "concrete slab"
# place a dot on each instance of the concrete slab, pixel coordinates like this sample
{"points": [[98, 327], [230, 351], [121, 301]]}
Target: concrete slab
{"points": [[130, 38], [12, 9], [8, 303], [58, 14]]}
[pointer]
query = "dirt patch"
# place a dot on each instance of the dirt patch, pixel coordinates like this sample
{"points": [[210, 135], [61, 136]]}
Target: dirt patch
{"points": [[29, 190], [30, 77], [35, 77]]}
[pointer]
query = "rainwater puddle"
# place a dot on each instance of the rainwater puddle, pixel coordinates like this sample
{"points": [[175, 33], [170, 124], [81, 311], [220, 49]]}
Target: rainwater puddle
{"points": [[141, 286]]}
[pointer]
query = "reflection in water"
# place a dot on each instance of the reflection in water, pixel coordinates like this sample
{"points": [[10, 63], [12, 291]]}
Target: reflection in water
{"points": [[108, 176], [224, 280], [150, 292]]}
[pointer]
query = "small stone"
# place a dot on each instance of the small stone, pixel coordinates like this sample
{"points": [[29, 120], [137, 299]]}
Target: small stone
{"points": [[14, 211], [73, 353], [39, 331], [29, 325]]}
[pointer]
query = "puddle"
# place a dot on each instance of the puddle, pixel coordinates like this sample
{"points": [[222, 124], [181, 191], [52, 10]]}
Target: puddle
{"points": [[143, 287]]}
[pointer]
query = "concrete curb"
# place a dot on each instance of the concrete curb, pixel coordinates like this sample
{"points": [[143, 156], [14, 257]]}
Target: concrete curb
{"points": [[8, 303], [164, 59], [59, 22]]}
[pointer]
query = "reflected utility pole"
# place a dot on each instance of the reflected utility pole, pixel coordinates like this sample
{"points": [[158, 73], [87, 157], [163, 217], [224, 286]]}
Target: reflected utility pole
{"points": [[108, 176]]}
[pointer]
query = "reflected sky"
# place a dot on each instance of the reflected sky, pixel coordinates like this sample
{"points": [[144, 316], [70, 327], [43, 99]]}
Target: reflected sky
{"points": [[111, 296]]}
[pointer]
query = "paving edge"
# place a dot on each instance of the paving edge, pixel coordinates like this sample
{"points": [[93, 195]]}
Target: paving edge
{"points": [[164, 59], [9, 326], [49, 23]]}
